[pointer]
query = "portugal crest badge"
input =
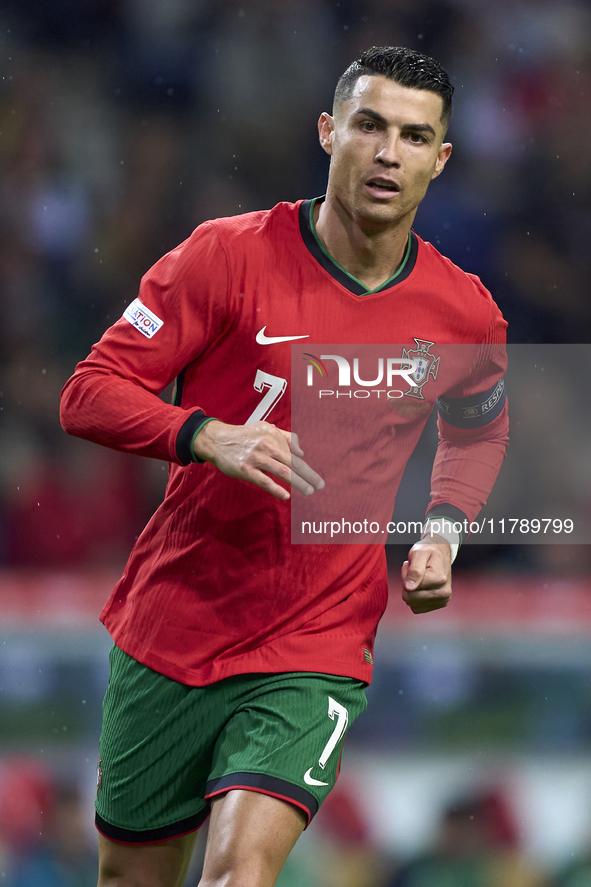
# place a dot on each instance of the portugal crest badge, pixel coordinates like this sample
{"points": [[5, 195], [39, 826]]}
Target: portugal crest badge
{"points": [[427, 365]]}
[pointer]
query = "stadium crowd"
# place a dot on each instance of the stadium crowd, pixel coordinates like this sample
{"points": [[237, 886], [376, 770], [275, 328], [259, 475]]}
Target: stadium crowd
{"points": [[477, 842], [125, 123]]}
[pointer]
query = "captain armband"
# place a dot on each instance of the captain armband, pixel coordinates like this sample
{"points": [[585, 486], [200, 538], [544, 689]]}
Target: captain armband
{"points": [[475, 410]]}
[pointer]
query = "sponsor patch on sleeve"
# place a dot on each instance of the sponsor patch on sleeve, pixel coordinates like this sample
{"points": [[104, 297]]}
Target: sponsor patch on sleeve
{"points": [[142, 319]]}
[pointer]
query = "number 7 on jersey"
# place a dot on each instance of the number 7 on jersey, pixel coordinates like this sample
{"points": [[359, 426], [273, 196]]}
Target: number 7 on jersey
{"points": [[276, 389]]}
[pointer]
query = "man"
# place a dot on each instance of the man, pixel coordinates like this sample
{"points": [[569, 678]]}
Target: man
{"points": [[240, 658]]}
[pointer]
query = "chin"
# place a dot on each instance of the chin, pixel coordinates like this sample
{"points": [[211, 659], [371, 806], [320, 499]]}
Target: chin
{"points": [[378, 214]]}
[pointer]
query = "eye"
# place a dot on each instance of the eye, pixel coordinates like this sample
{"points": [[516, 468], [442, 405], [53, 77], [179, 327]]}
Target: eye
{"points": [[416, 138], [369, 126]]}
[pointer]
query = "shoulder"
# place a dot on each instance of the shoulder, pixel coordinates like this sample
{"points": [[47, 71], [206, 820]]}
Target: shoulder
{"points": [[217, 245], [433, 262], [465, 292], [246, 227]]}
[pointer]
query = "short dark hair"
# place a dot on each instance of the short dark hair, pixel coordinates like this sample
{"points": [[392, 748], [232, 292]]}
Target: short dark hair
{"points": [[405, 66]]}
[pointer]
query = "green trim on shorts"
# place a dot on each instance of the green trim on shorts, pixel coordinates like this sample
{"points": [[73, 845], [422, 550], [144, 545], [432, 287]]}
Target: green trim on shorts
{"points": [[167, 748]]}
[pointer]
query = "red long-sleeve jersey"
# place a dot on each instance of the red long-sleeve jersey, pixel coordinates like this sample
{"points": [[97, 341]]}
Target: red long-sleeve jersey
{"points": [[214, 585]]}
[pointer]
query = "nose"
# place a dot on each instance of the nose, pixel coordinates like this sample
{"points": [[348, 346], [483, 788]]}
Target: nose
{"points": [[388, 153]]}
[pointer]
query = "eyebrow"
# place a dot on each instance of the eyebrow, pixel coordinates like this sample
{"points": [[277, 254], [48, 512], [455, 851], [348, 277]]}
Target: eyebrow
{"points": [[413, 127], [373, 114]]}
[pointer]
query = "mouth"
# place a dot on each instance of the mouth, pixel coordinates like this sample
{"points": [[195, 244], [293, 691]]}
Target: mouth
{"points": [[382, 189]]}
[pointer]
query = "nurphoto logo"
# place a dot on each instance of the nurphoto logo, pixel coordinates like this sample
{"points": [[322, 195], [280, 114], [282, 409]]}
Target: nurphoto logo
{"points": [[386, 370]]}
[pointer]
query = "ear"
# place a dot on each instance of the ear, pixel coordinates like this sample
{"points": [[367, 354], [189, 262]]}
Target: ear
{"points": [[442, 158], [326, 131]]}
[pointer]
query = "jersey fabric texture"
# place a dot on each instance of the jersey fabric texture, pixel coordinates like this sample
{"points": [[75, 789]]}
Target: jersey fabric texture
{"points": [[214, 587], [166, 748]]}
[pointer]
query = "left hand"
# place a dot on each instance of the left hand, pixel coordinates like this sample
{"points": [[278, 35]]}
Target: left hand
{"points": [[426, 576]]}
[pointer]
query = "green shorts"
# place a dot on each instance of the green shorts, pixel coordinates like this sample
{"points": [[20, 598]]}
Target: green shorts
{"points": [[167, 748]]}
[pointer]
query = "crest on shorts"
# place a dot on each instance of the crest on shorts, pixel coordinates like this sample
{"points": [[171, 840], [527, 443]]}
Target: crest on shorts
{"points": [[426, 365]]}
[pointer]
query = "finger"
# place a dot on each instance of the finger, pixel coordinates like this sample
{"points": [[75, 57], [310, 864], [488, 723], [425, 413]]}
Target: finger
{"points": [[427, 605], [307, 474], [294, 443], [415, 572], [279, 464], [300, 467], [423, 596], [431, 581], [299, 474], [266, 454], [438, 568], [404, 572], [262, 480]]}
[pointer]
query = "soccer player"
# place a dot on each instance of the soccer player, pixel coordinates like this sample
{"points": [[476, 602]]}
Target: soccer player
{"points": [[239, 658]]}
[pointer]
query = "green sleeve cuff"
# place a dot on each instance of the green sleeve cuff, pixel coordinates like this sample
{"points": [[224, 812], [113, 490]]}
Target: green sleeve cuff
{"points": [[202, 425], [188, 431]]}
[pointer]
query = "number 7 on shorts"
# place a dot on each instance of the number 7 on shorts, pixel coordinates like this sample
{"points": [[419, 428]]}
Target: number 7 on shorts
{"points": [[335, 709]]}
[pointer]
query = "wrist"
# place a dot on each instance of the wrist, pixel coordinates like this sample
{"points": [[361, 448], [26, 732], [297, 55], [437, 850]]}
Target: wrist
{"points": [[441, 529], [202, 443]]}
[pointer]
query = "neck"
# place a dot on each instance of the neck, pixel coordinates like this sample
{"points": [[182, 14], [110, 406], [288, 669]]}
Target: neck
{"points": [[371, 253]]}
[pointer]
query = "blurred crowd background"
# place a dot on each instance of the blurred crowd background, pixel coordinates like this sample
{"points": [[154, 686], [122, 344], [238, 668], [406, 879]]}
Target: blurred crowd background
{"points": [[123, 125]]}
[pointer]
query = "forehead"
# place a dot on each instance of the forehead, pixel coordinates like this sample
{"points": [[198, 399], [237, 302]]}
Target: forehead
{"points": [[396, 103]]}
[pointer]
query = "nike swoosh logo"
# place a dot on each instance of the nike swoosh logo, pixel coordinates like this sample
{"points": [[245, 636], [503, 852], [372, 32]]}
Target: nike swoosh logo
{"points": [[262, 339], [309, 779]]}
